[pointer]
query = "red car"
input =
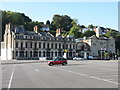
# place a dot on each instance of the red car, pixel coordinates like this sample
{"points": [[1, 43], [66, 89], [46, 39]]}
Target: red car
{"points": [[57, 60]]}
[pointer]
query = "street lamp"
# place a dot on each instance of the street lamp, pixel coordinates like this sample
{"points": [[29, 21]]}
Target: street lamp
{"points": [[101, 53]]}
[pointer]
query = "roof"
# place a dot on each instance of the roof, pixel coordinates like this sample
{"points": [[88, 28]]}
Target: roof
{"points": [[21, 30]]}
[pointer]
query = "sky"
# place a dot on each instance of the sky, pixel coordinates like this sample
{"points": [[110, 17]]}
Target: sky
{"points": [[103, 14]]}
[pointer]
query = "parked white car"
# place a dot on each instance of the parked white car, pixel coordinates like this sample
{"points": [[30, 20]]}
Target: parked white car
{"points": [[78, 58]]}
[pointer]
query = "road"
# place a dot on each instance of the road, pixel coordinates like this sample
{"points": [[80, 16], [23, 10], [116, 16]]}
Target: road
{"points": [[77, 74]]}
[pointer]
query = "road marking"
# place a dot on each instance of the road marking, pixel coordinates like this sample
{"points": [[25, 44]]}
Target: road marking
{"points": [[11, 77], [51, 67], [103, 68], [87, 75], [36, 70]]}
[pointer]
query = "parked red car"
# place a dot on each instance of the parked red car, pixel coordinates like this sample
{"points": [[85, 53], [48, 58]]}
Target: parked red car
{"points": [[57, 60]]}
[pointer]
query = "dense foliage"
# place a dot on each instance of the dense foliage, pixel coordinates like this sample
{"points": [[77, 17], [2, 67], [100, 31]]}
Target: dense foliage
{"points": [[68, 25]]}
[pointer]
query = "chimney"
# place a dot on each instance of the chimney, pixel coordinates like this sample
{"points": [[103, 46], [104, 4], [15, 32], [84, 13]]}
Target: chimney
{"points": [[58, 32], [7, 28], [36, 29]]}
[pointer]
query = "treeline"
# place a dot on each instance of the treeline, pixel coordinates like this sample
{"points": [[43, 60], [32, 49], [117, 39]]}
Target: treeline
{"points": [[68, 25]]}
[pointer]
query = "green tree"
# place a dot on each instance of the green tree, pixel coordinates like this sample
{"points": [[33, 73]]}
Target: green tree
{"points": [[62, 21], [74, 31], [48, 22], [111, 33], [30, 25], [90, 26], [106, 55], [89, 33]]}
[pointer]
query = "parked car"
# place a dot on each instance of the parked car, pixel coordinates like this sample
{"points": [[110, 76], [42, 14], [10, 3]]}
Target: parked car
{"points": [[90, 58], [57, 60], [78, 58]]}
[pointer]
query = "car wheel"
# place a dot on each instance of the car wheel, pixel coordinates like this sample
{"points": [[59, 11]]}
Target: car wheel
{"points": [[50, 64], [63, 63]]}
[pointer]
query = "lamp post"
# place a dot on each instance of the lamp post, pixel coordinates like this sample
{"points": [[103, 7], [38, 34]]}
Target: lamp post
{"points": [[101, 53]]}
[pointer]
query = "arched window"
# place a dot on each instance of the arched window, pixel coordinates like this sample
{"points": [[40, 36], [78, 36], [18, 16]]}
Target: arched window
{"points": [[30, 53], [52, 54], [43, 53], [56, 53], [16, 44], [16, 53], [48, 45], [55, 45], [26, 53], [39, 44], [39, 53]]}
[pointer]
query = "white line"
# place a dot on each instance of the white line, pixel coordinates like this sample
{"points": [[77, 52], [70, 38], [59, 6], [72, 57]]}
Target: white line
{"points": [[11, 78], [88, 76], [104, 69], [36, 70]]}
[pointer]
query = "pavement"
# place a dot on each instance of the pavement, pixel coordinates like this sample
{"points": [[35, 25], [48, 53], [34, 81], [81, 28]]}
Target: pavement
{"points": [[38, 61], [21, 61], [77, 74]]}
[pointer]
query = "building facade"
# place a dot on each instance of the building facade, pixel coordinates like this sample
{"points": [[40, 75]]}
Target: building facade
{"points": [[101, 44], [21, 44]]}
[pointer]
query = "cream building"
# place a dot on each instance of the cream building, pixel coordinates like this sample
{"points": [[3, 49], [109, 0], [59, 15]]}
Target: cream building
{"points": [[21, 44], [100, 44]]}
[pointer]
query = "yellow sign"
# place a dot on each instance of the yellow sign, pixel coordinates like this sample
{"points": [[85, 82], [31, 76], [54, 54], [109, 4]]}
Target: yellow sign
{"points": [[65, 50]]}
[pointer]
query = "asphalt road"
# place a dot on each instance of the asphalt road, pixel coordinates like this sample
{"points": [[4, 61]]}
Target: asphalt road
{"points": [[77, 74]]}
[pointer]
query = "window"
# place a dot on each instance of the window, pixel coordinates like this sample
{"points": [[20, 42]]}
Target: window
{"points": [[51, 45], [26, 54], [44, 54], [39, 45], [26, 44], [35, 54], [70, 46], [25, 37], [55, 45], [39, 53], [94, 44], [63, 46], [30, 44], [35, 45], [16, 44], [21, 53], [48, 45], [43, 45], [52, 53], [21, 44], [16, 54], [66, 46], [59, 46], [55, 53], [30, 53]]}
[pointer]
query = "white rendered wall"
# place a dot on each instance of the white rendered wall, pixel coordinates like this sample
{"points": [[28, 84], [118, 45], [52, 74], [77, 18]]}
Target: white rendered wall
{"points": [[9, 54], [3, 54]]}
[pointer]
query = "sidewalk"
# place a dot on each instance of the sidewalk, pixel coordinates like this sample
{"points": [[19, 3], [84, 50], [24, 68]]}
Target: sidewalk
{"points": [[21, 61], [3, 62]]}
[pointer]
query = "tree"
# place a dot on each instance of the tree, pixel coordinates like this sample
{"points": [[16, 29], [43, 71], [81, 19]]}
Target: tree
{"points": [[117, 43], [62, 21], [82, 26], [89, 33], [106, 55], [111, 33], [90, 26], [30, 25], [74, 31], [26, 18], [48, 22]]}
